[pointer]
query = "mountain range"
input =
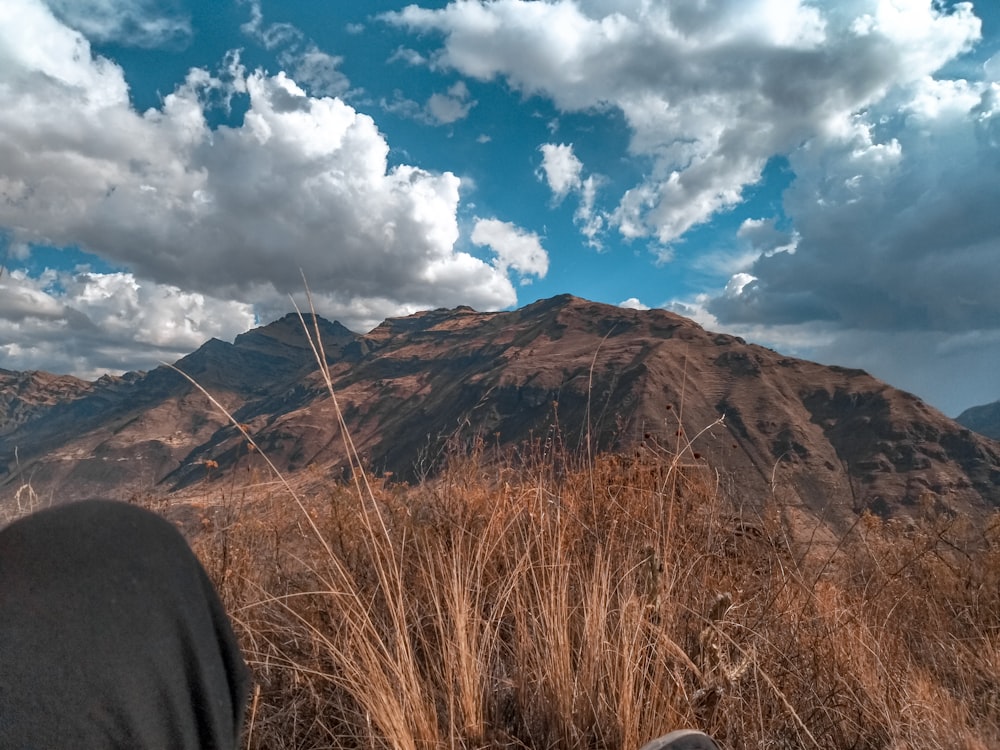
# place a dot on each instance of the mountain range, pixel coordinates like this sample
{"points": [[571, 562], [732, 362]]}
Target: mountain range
{"points": [[562, 372]]}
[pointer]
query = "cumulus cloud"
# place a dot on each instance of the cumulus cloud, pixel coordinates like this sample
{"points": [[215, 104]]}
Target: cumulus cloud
{"points": [[561, 168], [90, 323], [231, 213], [896, 217], [892, 266], [135, 23], [514, 247], [633, 303], [709, 91]]}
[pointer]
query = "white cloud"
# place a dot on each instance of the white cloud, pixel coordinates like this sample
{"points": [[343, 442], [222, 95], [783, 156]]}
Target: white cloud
{"points": [[514, 247], [91, 323], [633, 303], [591, 222], [269, 35], [561, 168], [563, 172], [440, 109], [307, 64], [710, 92], [136, 23], [765, 238], [444, 109], [409, 56], [318, 70], [737, 283], [23, 298], [401, 106], [231, 213]]}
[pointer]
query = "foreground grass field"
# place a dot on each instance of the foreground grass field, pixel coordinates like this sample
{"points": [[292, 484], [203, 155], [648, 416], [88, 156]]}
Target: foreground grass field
{"points": [[533, 603]]}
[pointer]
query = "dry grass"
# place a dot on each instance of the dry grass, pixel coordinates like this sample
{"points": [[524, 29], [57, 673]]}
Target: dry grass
{"points": [[551, 600], [533, 604], [547, 600]]}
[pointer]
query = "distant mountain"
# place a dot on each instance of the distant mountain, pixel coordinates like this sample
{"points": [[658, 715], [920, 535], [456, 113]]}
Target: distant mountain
{"points": [[122, 436], [982, 419], [829, 440]]}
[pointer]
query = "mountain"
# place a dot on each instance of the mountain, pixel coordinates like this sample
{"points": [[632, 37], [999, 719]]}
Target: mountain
{"points": [[982, 419], [830, 440], [122, 436]]}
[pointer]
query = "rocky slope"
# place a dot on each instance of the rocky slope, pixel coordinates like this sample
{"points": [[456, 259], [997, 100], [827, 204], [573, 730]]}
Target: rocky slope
{"points": [[829, 440], [983, 419]]}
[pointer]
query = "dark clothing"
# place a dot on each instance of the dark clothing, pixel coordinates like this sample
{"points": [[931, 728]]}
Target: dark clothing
{"points": [[112, 636]]}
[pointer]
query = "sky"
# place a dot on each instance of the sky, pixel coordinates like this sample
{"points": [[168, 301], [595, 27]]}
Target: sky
{"points": [[817, 176]]}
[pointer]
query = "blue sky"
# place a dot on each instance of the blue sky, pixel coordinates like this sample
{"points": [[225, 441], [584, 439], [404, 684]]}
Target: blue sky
{"points": [[820, 177]]}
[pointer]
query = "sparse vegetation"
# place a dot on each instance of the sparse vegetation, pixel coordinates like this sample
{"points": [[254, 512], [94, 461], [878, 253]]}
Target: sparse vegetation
{"points": [[537, 602], [546, 599]]}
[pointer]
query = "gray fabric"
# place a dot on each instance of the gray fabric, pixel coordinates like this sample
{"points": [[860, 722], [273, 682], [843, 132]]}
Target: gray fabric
{"points": [[682, 739], [112, 636]]}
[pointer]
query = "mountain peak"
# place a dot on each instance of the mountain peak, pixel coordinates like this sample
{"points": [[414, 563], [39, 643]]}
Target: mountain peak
{"points": [[288, 331]]}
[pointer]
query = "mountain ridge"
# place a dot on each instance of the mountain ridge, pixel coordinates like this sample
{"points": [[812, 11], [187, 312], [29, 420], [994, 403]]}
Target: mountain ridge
{"points": [[834, 441]]}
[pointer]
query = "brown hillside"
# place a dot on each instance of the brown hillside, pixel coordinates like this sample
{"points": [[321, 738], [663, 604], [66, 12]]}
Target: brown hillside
{"points": [[829, 440]]}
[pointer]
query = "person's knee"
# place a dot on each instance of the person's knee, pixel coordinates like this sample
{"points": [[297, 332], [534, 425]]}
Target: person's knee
{"points": [[112, 628]]}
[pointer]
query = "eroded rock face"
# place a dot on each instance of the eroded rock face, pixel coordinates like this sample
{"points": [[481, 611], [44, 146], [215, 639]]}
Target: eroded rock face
{"points": [[831, 440]]}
